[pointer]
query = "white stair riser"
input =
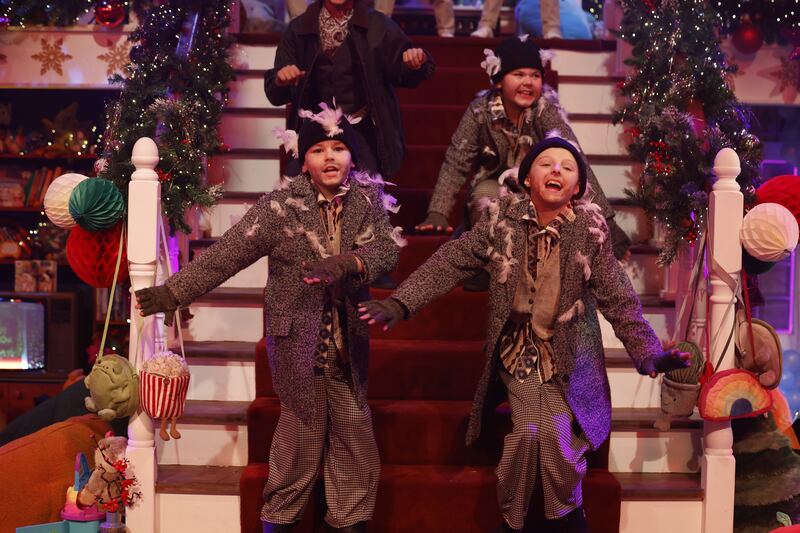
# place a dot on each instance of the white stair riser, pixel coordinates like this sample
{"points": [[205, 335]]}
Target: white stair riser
{"points": [[249, 57], [244, 174], [661, 516], [661, 319], [569, 63], [251, 131], [205, 444], [247, 91], [226, 445], [655, 452], [213, 380], [615, 178], [225, 322], [198, 513], [645, 274], [598, 97], [225, 215], [252, 277], [629, 389], [600, 137]]}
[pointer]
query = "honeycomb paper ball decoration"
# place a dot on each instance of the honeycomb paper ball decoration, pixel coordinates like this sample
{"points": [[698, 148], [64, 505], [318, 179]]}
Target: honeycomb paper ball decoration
{"points": [[56, 200], [769, 232], [93, 255], [783, 190], [96, 204]]}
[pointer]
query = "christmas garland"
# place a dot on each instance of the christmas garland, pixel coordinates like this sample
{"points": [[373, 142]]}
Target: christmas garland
{"points": [[680, 111], [177, 98]]}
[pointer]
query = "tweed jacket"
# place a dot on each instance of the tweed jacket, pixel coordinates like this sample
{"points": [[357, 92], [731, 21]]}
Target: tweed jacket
{"points": [[379, 44], [286, 226], [591, 280], [479, 152]]}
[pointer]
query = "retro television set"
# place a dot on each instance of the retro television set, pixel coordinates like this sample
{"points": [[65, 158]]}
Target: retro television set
{"points": [[38, 333]]}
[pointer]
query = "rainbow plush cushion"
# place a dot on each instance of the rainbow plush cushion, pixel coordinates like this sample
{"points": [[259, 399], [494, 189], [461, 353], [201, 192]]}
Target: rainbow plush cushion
{"points": [[733, 394]]}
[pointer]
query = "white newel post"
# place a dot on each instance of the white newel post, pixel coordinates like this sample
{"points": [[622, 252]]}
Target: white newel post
{"points": [[144, 206], [726, 205]]}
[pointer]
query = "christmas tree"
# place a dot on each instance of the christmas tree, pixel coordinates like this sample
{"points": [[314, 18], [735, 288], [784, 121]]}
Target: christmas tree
{"points": [[680, 111], [175, 88]]}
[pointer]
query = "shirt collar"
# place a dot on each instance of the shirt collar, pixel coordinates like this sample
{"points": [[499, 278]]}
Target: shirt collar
{"points": [[554, 227], [343, 189], [497, 110]]}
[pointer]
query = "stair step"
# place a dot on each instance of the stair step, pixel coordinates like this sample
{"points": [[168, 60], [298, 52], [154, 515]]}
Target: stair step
{"points": [[191, 479], [220, 350], [638, 486]]}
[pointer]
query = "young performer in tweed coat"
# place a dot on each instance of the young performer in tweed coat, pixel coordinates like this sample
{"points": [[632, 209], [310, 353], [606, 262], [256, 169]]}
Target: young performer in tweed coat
{"points": [[327, 235], [552, 269], [496, 131]]}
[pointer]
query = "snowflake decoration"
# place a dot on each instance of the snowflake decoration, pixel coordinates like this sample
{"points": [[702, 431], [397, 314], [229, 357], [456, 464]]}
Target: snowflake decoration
{"points": [[116, 57], [788, 75], [51, 56]]}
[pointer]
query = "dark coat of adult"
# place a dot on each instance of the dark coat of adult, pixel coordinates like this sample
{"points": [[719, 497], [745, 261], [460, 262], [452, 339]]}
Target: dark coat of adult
{"points": [[286, 226], [591, 280], [379, 45]]}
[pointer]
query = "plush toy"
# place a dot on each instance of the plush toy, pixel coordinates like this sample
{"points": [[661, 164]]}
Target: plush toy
{"points": [[105, 482], [165, 384], [113, 388], [767, 361]]}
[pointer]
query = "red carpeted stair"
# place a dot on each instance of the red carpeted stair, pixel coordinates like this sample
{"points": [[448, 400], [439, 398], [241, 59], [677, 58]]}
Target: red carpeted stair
{"points": [[423, 373]]}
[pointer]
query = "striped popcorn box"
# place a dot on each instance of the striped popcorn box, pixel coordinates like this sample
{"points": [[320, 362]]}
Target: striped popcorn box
{"points": [[163, 397]]}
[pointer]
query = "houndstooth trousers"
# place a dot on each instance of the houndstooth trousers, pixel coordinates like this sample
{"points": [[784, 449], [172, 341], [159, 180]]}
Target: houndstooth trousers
{"points": [[340, 438], [547, 443]]}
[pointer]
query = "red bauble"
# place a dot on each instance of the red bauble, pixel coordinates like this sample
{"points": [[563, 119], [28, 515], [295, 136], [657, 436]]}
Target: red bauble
{"points": [[783, 190], [748, 38], [109, 13], [93, 255]]}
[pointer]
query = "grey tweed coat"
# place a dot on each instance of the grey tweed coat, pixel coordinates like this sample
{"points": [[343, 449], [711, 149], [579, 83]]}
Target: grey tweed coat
{"points": [[286, 226], [591, 280]]}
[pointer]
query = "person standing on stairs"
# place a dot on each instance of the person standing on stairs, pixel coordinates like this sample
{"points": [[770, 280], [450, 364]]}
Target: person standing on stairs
{"points": [[341, 50], [497, 130], [327, 235], [551, 269]]}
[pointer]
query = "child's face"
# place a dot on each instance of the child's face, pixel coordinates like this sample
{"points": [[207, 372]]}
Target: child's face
{"points": [[328, 163], [553, 179], [521, 87]]}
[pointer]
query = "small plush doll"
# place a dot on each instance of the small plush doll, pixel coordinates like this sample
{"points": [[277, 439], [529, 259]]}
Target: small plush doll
{"points": [[105, 483], [165, 383], [113, 388]]}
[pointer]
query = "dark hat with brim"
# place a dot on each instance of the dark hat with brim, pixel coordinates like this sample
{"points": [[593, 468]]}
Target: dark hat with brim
{"points": [[554, 142]]}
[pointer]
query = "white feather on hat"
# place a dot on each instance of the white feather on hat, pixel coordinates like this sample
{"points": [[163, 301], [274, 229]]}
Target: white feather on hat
{"points": [[288, 140], [491, 64]]}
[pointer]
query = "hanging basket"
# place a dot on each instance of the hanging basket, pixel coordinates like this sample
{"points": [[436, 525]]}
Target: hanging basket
{"points": [[164, 396]]}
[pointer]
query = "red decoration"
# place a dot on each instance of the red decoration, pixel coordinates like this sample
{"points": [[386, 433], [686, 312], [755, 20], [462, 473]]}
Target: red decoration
{"points": [[93, 255], [163, 176], [783, 190], [695, 109], [748, 38], [109, 13]]}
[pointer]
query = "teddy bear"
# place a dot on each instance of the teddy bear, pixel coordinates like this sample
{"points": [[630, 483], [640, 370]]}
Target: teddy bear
{"points": [[105, 482]]}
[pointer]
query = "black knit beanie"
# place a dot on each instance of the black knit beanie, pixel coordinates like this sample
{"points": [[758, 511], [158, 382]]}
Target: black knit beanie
{"points": [[554, 142], [312, 132], [515, 53]]}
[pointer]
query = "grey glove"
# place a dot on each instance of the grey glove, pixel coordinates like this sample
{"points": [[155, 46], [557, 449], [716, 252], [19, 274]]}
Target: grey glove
{"points": [[664, 362], [438, 222], [157, 299], [387, 312], [331, 269]]}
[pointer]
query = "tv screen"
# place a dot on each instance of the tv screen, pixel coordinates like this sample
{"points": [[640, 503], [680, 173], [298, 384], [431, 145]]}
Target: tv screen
{"points": [[22, 335]]}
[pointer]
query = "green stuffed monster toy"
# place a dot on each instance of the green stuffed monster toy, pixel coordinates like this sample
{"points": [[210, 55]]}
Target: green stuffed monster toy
{"points": [[113, 388]]}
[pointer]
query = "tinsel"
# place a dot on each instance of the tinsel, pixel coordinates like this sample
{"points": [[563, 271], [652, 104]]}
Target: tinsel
{"points": [[676, 61], [177, 100]]}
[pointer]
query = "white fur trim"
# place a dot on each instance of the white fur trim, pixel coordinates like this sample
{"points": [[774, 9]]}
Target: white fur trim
{"points": [[297, 203], [315, 243], [390, 203], [584, 262], [277, 207], [577, 309], [397, 237], [252, 230], [366, 236]]}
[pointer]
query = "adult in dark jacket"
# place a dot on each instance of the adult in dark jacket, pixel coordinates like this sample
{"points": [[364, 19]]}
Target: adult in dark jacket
{"points": [[342, 49]]}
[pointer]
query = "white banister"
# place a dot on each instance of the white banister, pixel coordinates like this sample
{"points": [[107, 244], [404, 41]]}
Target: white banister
{"points": [[144, 206], [725, 213]]}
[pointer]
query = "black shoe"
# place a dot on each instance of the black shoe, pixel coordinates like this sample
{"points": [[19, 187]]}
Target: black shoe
{"points": [[505, 528], [269, 527], [574, 522], [477, 283], [359, 527], [384, 282]]}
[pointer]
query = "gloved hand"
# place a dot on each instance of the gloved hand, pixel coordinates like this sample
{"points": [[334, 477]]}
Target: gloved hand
{"points": [[669, 359], [434, 223], [387, 312], [330, 270], [157, 299]]}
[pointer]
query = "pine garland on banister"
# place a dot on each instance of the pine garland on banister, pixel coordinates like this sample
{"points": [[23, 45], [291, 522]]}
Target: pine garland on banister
{"points": [[176, 98], [677, 68]]}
